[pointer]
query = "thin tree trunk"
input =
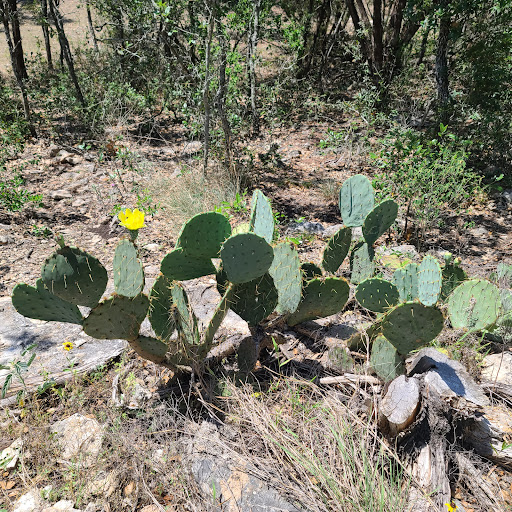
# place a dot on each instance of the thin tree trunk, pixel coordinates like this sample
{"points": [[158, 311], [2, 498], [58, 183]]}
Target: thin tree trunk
{"points": [[16, 68], [46, 33], [66, 49], [441, 66], [378, 50], [252, 65], [206, 92], [19, 59], [91, 26], [423, 46]]}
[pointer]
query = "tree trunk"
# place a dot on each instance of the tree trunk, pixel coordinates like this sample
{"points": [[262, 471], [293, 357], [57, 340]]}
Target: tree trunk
{"points": [[46, 33], [253, 43], [441, 66], [91, 25], [378, 50], [66, 49], [19, 59], [15, 57], [206, 92]]}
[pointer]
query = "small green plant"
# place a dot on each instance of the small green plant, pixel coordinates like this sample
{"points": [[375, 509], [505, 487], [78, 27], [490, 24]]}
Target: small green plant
{"points": [[16, 369], [237, 206], [41, 231], [13, 196]]}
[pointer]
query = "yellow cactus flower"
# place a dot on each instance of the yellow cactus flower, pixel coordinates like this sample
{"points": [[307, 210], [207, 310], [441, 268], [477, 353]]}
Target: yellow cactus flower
{"points": [[132, 220], [67, 345]]}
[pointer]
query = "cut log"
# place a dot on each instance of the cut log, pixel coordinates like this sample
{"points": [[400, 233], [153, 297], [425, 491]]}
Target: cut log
{"points": [[400, 405]]}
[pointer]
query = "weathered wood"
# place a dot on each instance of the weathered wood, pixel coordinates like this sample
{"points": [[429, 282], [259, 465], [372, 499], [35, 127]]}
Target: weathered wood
{"points": [[400, 405]]}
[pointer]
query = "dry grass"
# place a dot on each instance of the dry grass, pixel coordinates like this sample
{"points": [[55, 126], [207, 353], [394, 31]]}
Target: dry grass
{"points": [[302, 435]]}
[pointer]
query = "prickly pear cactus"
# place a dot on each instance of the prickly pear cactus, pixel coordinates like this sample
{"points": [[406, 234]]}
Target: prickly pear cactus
{"points": [[336, 250], [128, 271], [255, 300], [75, 276], [285, 271], [179, 265], [186, 321], [150, 348], [406, 281], [203, 235], [453, 275], [117, 318], [474, 305], [246, 257], [262, 218], [430, 280], [504, 274], [379, 220], [310, 271], [377, 295], [321, 298], [410, 326], [361, 263], [385, 360], [247, 356], [356, 201], [161, 308], [40, 304]]}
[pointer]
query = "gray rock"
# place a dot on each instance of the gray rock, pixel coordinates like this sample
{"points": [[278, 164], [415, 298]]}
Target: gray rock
{"points": [[6, 239], [308, 228], [498, 368], [507, 196], [61, 506], [80, 439], [58, 195], [331, 230], [479, 232], [152, 247], [18, 332], [29, 502], [405, 251], [229, 478], [53, 150]]}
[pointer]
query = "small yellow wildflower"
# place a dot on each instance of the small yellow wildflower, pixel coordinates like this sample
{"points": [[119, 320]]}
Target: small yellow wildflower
{"points": [[132, 220], [67, 345], [451, 508]]}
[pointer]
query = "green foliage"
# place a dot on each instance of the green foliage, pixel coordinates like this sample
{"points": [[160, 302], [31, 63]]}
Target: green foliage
{"points": [[15, 369], [12, 194], [428, 174]]}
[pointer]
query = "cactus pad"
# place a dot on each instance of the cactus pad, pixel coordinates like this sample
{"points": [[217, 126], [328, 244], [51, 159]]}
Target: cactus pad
{"points": [[474, 305], [262, 218], [128, 272], [254, 301], [385, 360], [410, 326], [361, 262], [504, 274], [185, 317], [336, 250], [75, 276], [218, 316], [406, 281], [310, 271], [40, 304], [379, 220], [321, 298], [285, 271], [150, 348], [357, 200], [161, 310], [430, 280], [179, 265], [246, 257], [202, 236], [117, 318], [453, 275], [377, 295], [247, 355]]}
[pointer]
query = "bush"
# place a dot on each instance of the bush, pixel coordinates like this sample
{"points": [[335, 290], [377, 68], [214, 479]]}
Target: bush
{"points": [[430, 175]]}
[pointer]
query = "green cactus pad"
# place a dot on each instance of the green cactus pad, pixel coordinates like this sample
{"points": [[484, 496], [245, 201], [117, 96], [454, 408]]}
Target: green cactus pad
{"points": [[149, 348], [117, 318], [218, 316], [75, 276], [285, 271], [406, 281], [161, 311], [453, 275], [379, 220], [430, 280], [247, 355], [361, 262], [336, 250], [128, 271], [385, 360], [179, 265], [410, 326], [310, 271], [40, 304], [254, 301], [356, 201], [246, 257], [262, 218], [321, 298], [377, 295], [504, 274], [474, 305], [203, 235], [185, 317]]}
